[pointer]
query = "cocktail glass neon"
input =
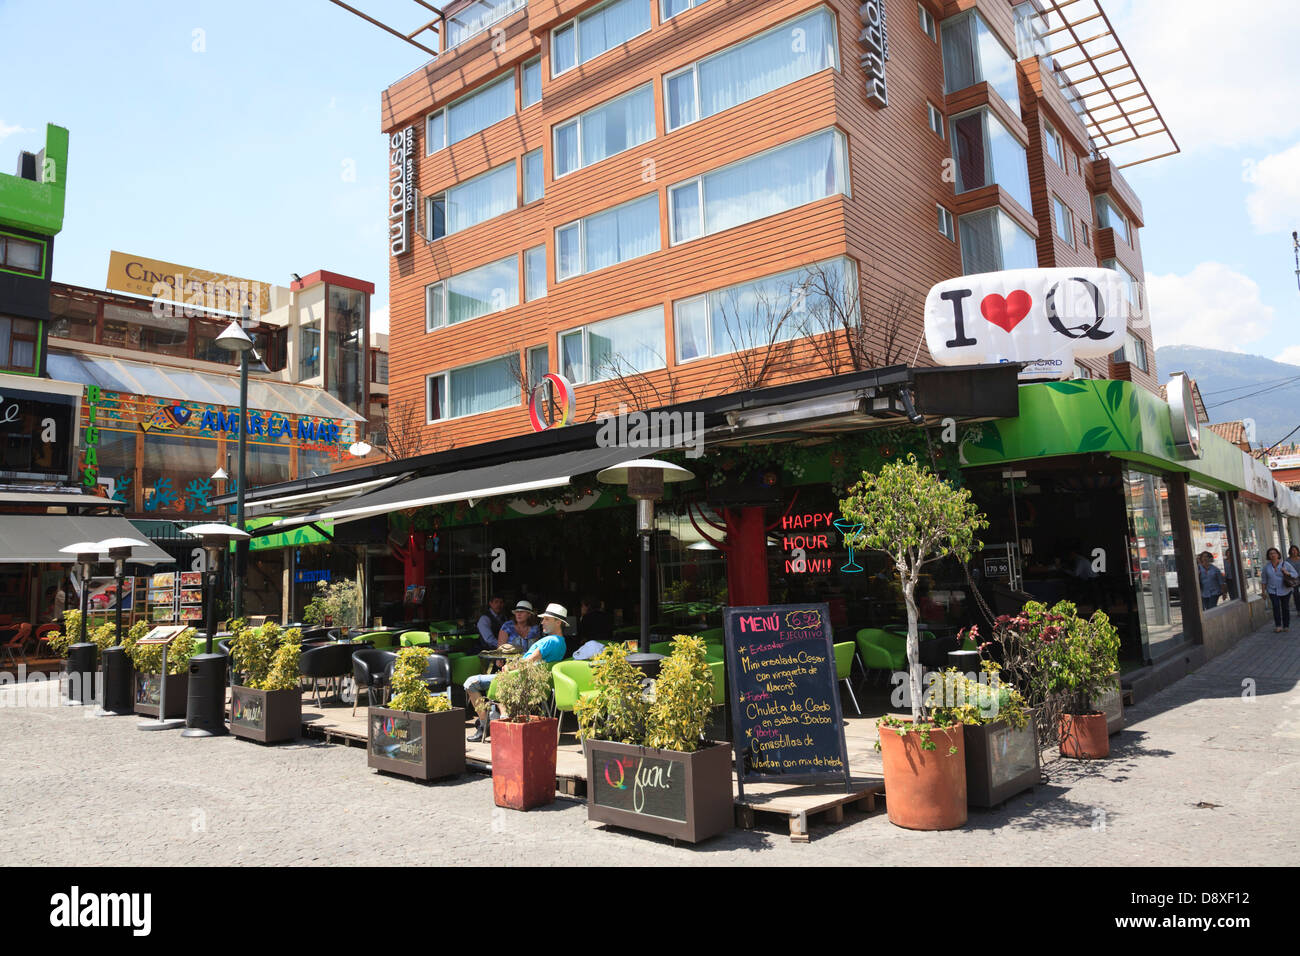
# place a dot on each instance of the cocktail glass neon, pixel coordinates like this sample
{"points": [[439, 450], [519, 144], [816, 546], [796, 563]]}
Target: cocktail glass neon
{"points": [[846, 527]]}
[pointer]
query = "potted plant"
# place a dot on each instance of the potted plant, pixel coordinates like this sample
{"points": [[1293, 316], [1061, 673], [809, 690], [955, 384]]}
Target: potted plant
{"points": [[648, 767], [337, 605], [915, 517], [417, 735], [147, 662], [524, 741], [267, 705], [1001, 742]]}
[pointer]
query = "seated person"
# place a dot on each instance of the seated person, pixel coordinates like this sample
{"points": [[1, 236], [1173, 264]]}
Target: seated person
{"points": [[492, 621], [520, 632], [549, 648], [595, 624]]}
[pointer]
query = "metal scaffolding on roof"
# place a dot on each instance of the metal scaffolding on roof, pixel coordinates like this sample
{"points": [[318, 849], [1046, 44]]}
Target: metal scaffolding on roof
{"points": [[1099, 79], [433, 26]]}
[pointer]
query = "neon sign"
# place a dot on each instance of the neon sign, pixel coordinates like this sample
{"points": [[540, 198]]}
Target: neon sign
{"points": [[540, 408]]}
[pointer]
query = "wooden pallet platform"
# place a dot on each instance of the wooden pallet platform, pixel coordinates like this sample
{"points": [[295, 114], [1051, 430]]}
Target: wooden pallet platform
{"points": [[802, 805]]}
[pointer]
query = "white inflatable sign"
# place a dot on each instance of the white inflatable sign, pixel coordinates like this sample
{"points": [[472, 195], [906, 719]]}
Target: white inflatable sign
{"points": [[1045, 317]]}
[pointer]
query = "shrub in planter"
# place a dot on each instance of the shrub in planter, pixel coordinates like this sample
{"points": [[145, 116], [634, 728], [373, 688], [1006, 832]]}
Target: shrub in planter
{"points": [[417, 735], [267, 705], [999, 736], [648, 767], [339, 604], [915, 517], [146, 659], [523, 743]]}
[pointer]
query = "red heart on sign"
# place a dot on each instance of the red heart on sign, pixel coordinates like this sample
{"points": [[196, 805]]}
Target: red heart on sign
{"points": [[1006, 313]]}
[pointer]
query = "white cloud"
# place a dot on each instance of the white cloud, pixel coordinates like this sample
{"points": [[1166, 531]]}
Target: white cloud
{"points": [[7, 130], [1221, 74], [1212, 306], [1274, 204], [1290, 355]]}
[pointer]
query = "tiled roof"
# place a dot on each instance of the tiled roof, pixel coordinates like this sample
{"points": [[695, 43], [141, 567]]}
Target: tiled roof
{"points": [[1234, 432]]}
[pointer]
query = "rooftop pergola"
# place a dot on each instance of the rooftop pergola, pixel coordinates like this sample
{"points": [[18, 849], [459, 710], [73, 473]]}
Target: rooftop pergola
{"points": [[432, 27]]}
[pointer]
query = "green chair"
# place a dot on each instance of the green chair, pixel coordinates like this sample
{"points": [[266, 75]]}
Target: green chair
{"points": [[881, 650], [714, 653], [415, 638], [572, 681], [463, 667], [844, 670], [662, 647], [713, 635], [444, 627], [719, 682], [382, 640]]}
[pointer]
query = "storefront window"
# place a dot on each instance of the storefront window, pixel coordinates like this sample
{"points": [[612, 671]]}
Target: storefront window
{"points": [[116, 454], [72, 318], [267, 463], [206, 348], [346, 317], [317, 460], [1255, 539], [1208, 512], [1152, 565], [141, 330], [177, 474]]}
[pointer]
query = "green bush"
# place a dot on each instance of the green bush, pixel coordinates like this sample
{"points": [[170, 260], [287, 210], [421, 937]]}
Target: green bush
{"points": [[524, 689], [104, 636], [266, 657], [683, 698], [618, 710], [410, 692], [147, 658]]}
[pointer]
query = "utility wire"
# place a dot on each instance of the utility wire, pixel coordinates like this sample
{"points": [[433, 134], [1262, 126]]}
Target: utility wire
{"points": [[1270, 388], [1235, 388]]}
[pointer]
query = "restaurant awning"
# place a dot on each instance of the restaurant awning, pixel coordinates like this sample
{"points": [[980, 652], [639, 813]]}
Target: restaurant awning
{"points": [[67, 499], [31, 539], [314, 501], [508, 478]]}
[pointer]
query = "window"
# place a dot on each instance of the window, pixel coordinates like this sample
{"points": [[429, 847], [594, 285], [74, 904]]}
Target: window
{"points": [[1052, 143], [607, 238], [479, 291], [991, 241], [19, 339], [792, 175], [473, 201], [534, 176], [1083, 231], [986, 153], [132, 328], [972, 54], [1208, 513], [1076, 164], [927, 22], [750, 69], [610, 128], [379, 366], [1062, 221], [534, 273], [935, 117], [1081, 370], [1109, 217], [755, 314], [473, 389], [21, 255], [1134, 351], [596, 31], [1151, 562], [471, 114], [473, 19], [345, 325], [539, 363], [1131, 286], [1254, 539], [1030, 27], [530, 85], [309, 350], [614, 347], [946, 228], [670, 8]]}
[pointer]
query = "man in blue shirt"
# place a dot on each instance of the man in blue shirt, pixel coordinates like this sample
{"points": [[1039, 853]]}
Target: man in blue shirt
{"points": [[549, 647]]}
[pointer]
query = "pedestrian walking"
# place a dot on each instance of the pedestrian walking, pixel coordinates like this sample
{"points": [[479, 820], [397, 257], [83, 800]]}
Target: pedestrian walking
{"points": [[1293, 559], [1280, 579], [1212, 581]]}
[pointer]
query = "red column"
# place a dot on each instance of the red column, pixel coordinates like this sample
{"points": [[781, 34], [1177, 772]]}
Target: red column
{"points": [[746, 556]]}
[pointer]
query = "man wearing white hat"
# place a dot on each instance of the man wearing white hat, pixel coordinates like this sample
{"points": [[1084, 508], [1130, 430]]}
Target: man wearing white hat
{"points": [[549, 648]]}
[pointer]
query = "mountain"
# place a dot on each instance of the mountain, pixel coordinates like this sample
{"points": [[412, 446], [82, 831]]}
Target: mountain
{"points": [[1237, 386]]}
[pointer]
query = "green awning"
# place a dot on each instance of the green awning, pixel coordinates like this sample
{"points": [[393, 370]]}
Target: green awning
{"points": [[290, 538]]}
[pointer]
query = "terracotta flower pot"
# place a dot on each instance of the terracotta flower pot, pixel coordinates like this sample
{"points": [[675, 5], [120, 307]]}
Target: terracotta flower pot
{"points": [[523, 762], [924, 789], [1084, 736]]}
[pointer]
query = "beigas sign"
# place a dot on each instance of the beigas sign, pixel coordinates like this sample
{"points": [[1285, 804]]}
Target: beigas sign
{"points": [[1046, 318]]}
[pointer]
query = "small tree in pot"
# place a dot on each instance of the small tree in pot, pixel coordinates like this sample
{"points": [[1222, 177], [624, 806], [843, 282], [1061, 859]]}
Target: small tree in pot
{"points": [[648, 766], [915, 517], [524, 741], [267, 705], [147, 661], [417, 735]]}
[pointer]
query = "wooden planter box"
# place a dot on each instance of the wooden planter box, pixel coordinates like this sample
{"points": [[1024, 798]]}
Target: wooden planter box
{"points": [[686, 796], [422, 746], [1000, 761], [523, 762], [267, 716], [146, 691]]}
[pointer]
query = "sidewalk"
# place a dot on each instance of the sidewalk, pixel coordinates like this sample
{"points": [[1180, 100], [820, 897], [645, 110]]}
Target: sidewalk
{"points": [[1207, 772]]}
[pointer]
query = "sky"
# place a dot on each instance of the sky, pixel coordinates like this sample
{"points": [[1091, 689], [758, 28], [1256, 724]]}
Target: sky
{"points": [[244, 138]]}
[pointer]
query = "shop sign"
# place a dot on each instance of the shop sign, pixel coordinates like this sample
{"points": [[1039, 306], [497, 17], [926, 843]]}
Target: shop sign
{"points": [[1259, 480], [1046, 318], [551, 393], [805, 533], [650, 786], [171, 285], [1284, 461], [310, 577], [35, 434], [397, 738], [875, 49], [1182, 416], [271, 426], [997, 568], [401, 189]]}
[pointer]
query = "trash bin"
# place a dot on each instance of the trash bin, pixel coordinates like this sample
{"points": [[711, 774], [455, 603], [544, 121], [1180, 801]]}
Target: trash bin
{"points": [[117, 671], [80, 671], [205, 710]]}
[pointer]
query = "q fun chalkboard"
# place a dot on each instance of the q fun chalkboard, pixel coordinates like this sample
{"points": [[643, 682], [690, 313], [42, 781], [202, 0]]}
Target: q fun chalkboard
{"points": [[785, 699]]}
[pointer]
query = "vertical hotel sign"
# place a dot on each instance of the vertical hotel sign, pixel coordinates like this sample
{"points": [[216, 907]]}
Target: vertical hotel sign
{"points": [[401, 190]]}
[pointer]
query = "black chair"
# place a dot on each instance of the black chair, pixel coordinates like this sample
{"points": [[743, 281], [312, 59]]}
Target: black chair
{"points": [[371, 668], [315, 634], [326, 662], [437, 675]]}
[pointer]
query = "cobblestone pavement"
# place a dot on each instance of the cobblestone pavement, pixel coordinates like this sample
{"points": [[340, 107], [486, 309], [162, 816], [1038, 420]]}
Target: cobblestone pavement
{"points": [[79, 790]]}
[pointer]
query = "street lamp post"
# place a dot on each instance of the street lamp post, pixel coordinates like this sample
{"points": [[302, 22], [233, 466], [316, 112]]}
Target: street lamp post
{"points": [[235, 339], [645, 479]]}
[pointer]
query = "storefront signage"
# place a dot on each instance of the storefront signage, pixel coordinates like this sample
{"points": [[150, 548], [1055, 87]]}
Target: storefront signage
{"points": [[551, 393], [36, 429], [804, 533], [875, 49], [650, 786], [271, 426], [1259, 480], [785, 700], [1182, 416], [1046, 318], [310, 577], [997, 568], [401, 189], [171, 285], [397, 738], [1284, 461]]}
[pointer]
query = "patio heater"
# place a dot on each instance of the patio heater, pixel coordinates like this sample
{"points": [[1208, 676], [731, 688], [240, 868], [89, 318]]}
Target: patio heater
{"points": [[118, 698], [645, 479], [205, 708], [80, 666], [235, 339]]}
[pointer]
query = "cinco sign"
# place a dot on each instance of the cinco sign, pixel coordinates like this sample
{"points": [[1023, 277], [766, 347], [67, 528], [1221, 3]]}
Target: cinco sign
{"points": [[785, 700], [1047, 318], [542, 407]]}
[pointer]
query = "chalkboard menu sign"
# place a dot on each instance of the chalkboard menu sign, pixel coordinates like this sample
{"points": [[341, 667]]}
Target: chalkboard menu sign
{"points": [[785, 700], [397, 738], [246, 709], [652, 786]]}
